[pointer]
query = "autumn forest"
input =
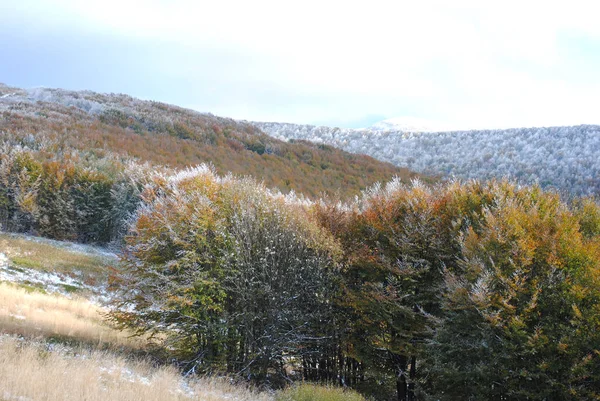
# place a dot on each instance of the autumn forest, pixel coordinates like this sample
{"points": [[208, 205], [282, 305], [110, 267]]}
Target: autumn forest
{"points": [[282, 262]]}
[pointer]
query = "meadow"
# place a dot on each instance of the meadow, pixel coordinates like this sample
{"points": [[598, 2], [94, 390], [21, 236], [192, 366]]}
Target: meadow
{"points": [[58, 346]]}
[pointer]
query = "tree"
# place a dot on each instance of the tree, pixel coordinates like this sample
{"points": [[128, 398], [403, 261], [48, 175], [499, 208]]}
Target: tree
{"points": [[235, 278], [521, 317], [19, 183]]}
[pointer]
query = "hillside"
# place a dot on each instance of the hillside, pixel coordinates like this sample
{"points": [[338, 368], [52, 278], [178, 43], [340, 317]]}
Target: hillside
{"points": [[564, 158], [176, 137], [221, 275], [55, 344]]}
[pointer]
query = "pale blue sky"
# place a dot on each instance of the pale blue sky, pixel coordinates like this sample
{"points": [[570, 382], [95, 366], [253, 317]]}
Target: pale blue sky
{"points": [[460, 64]]}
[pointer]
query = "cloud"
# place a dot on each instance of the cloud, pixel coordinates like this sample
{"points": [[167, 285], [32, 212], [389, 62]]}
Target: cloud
{"points": [[469, 63]]}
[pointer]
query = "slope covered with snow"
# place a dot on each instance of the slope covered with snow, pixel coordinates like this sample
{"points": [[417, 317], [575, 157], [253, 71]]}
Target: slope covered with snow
{"points": [[410, 124], [564, 158]]}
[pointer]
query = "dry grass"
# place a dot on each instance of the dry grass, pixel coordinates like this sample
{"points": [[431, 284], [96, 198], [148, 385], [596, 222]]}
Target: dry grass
{"points": [[31, 372], [312, 392], [34, 314], [50, 371], [90, 370], [52, 256]]}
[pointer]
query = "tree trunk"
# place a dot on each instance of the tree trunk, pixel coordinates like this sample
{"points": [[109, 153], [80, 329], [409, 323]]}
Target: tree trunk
{"points": [[401, 387], [412, 376]]}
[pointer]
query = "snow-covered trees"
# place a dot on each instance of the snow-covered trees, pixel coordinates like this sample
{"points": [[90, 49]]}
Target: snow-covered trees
{"points": [[77, 196], [521, 313], [18, 189], [235, 278], [564, 158], [457, 291], [168, 135]]}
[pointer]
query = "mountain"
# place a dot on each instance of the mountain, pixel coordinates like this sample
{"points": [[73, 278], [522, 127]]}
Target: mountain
{"points": [[168, 135], [562, 158], [407, 124]]}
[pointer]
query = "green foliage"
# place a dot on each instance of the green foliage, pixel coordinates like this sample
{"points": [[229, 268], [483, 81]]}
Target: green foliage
{"points": [[257, 147]]}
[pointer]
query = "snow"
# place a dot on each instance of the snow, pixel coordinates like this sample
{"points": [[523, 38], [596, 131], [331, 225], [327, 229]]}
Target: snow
{"points": [[563, 158], [409, 124], [55, 282], [51, 282], [90, 250], [126, 374]]}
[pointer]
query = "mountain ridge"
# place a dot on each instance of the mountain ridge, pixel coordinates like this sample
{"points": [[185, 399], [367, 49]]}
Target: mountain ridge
{"points": [[177, 137], [410, 124], [561, 158]]}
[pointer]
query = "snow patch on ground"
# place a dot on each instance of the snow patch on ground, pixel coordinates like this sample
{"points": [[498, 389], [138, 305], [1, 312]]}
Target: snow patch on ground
{"points": [[3, 261], [55, 282], [51, 282], [90, 250]]}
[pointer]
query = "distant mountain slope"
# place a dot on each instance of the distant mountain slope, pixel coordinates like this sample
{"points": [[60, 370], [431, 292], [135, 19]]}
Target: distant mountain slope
{"points": [[565, 158], [409, 124], [177, 137]]}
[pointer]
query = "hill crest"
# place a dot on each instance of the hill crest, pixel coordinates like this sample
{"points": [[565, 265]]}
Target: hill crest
{"points": [[169, 135]]}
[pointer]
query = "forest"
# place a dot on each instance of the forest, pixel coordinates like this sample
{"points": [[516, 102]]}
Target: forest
{"points": [[409, 291], [167, 135], [412, 289], [558, 158]]}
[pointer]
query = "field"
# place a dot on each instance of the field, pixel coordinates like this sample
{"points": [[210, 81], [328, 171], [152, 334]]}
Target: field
{"points": [[55, 256], [31, 371], [54, 344], [33, 314]]}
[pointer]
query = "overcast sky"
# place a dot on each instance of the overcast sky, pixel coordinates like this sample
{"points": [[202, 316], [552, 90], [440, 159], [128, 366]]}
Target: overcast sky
{"points": [[463, 64]]}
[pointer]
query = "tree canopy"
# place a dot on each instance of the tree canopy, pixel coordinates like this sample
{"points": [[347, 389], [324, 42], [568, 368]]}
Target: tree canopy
{"points": [[458, 291]]}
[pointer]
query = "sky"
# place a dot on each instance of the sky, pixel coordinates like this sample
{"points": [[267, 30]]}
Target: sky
{"points": [[457, 64]]}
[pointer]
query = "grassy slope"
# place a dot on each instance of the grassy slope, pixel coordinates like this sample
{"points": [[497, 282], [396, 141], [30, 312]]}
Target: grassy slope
{"points": [[177, 137], [57, 347], [33, 314], [43, 264], [30, 372], [33, 305], [54, 256]]}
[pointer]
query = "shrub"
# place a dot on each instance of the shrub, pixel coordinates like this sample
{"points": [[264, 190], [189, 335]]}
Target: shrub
{"points": [[234, 277]]}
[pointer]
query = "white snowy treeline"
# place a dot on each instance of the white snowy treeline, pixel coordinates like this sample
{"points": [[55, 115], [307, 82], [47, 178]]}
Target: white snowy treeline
{"points": [[565, 158]]}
